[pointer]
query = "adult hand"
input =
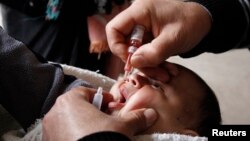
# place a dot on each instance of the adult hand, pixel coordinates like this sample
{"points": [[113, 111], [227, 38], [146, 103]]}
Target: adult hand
{"points": [[163, 72], [176, 27], [73, 117]]}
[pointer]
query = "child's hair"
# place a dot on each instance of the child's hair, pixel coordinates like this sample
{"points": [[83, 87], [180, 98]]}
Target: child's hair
{"points": [[210, 115]]}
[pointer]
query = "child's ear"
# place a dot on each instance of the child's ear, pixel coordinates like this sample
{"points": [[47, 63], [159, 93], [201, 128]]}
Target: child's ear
{"points": [[190, 132]]}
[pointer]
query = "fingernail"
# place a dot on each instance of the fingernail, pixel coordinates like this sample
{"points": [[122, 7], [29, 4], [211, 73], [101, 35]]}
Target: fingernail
{"points": [[150, 116]]}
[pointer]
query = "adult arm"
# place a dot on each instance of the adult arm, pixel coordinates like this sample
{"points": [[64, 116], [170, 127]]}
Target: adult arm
{"points": [[29, 85], [230, 26], [180, 28]]}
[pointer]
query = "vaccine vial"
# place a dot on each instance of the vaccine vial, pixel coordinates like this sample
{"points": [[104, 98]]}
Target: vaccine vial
{"points": [[136, 38], [98, 97], [134, 43]]}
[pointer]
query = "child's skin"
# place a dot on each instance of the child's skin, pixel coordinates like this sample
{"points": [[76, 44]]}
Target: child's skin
{"points": [[176, 102]]}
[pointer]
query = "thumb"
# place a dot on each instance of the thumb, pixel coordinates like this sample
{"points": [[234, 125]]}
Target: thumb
{"points": [[139, 120], [155, 52]]}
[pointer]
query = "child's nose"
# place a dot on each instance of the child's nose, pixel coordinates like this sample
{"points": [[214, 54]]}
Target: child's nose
{"points": [[137, 81]]}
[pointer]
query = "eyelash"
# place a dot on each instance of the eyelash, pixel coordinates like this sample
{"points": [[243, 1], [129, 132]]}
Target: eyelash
{"points": [[156, 85]]}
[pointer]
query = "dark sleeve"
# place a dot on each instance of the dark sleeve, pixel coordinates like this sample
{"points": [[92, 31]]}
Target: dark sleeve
{"points": [[69, 9], [105, 136], [29, 7], [29, 85], [72, 9], [230, 26]]}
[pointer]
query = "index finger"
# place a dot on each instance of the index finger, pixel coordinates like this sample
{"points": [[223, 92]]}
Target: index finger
{"points": [[88, 94], [121, 26], [117, 31], [162, 72]]}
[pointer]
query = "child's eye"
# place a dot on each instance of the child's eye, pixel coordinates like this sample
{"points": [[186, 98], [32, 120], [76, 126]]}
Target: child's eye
{"points": [[156, 85]]}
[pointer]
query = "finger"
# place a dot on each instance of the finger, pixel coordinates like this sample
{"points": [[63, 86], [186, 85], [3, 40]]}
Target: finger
{"points": [[117, 31], [89, 93], [156, 73], [157, 51], [172, 68], [83, 93], [139, 120], [163, 72], [120, 27]]}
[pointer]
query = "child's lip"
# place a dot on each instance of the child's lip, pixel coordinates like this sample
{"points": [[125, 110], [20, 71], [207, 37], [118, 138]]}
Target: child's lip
{"points": [[115, 105], [124, 92]]}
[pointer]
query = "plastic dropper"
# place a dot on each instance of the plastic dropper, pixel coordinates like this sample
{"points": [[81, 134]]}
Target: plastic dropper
{"points": [[134, 44], [98, 97]]}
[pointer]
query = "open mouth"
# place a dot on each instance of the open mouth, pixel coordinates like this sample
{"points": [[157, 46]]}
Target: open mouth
{"points": [[124, 96]]}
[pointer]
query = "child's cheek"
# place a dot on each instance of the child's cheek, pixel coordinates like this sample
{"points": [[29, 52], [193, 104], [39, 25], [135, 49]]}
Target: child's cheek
{"points": [[137, 101]]}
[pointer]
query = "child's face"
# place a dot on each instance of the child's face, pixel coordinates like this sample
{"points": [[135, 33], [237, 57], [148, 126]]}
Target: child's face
{"points": [[176, 102]]}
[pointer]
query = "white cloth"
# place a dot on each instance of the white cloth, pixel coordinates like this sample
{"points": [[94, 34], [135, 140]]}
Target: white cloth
{"points": [[36, 135], [94, 78], [168, 137]]}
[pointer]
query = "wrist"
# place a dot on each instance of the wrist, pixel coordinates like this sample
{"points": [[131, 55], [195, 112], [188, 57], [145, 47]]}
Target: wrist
{"points": [[202, 6], [226, 30]]}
